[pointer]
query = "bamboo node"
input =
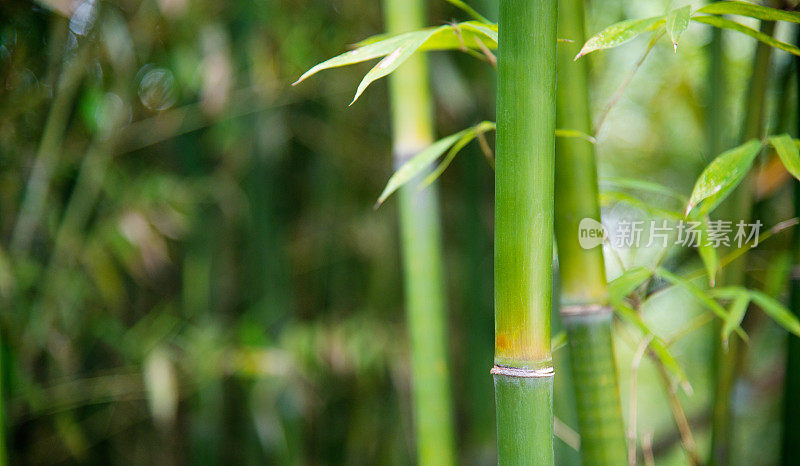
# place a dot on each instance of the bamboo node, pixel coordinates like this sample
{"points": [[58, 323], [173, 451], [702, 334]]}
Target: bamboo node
{"points": [[524, 373]]}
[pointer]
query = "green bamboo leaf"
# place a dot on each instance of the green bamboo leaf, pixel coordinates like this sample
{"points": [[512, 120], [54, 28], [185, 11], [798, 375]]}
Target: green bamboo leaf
{"points": [[558, 341], [574, 133], [620, 33], [622, 286], [390, 62], [701, 296], [722, 176], [720, 22], [381, 47], [414, 167], [645, 186], [470, 35], [487, 29], [484, 127], [735, 315], [779, 313], [468, 10], [677, 22], [613, 197], [727, 292], [658, 345], [788, 152], [397, 49], [707, 252], [751, 10], [468, 136], [447, 37]]}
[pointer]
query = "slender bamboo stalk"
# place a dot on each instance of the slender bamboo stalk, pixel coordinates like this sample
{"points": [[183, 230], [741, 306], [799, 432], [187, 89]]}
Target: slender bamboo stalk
{"points": [[791, 402], [585, 311], [523, 372], [412, 122], [47, 155], [738, 207]]}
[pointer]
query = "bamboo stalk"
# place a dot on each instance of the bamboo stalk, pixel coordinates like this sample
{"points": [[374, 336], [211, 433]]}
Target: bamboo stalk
{"points": [[738, 207], [790, 453], [47, 155], [412, 129], [523, 372], [586, 315]]}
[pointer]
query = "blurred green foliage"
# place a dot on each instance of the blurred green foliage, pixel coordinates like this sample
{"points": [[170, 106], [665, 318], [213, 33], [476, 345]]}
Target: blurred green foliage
{"points": [[191, 270]]}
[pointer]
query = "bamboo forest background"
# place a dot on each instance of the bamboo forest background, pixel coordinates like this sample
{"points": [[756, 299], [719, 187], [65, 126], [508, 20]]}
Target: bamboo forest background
{"points": [[192, 271]]}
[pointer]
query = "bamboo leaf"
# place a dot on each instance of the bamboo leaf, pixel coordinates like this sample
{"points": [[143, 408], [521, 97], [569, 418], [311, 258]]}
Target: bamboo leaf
{"points": [[619, 33], [468, 136], [366, 52], [471, 133], [468, 10], [487, 29], [735, 315], [677, 22], [558, 341], [701, 295], [612, 197], [751, 10], [396, 49], [622, 286], [722, 176], [706, 251], [646, 186], [447, 37], [720, 22], [390, 62], [658, 345], [779, 313], [788, 152], [414, 167], [463, 35], [708, 255], [574, 133]]}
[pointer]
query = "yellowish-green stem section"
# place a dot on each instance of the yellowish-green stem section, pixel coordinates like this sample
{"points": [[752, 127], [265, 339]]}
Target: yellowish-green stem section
{"points": [[412, 130], [523, 244], [524, 183]]}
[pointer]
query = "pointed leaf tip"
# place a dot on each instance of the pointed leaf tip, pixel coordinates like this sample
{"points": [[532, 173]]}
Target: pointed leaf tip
{"points": [[677, 21], [722, 176], [788, 152], [619, 33]]}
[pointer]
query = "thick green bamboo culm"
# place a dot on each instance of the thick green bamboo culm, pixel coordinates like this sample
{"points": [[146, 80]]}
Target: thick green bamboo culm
{"points": [[584, 297], [738, 207], [412, 129], [597, 395], [523, 253]]}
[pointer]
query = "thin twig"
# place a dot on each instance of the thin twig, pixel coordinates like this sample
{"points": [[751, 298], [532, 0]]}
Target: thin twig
{"points": [[462, 46], [678, 414], [694, 324], [487, 151], [618, 95], [567, 434], [647, 449], [637, 360], [490, 57], [47, 156]]}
